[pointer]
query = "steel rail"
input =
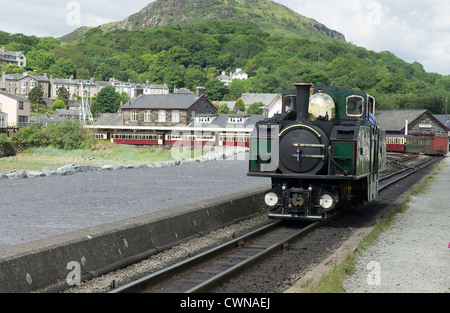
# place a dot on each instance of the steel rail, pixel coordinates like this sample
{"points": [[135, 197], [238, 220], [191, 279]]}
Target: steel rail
{"points": [[413, 169], [152, 279], [226, 275]]}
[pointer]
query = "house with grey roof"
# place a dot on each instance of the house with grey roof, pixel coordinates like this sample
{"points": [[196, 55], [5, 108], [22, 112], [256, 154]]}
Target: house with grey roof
{"points": [[178, 109], [272, 103], [79, 87], [13, 57], [21, 84]]}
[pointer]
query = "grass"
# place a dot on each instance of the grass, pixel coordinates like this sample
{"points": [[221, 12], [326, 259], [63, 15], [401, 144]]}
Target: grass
{"points": [[332, 281], [101, 153]]}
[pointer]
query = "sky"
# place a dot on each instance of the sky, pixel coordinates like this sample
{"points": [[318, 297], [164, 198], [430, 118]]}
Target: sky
{"points": [[413, 30]]}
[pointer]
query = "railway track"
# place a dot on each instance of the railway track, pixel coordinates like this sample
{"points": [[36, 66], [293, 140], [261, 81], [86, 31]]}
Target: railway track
{"points": [[204, 272], [405, 171]]}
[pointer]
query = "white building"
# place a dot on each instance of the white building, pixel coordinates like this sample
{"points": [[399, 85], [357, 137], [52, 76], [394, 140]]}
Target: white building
{"points": [[227, 79]]}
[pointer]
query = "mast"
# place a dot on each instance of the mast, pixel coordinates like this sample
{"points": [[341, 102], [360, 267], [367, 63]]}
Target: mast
{"points": [[85, 110]]}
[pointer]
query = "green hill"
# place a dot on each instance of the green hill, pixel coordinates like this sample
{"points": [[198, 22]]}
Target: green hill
{"points": [[193, 53], [270, 16]]}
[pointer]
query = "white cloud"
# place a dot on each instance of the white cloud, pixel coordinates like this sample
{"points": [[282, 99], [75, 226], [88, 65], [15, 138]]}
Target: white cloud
{"points": [[413, 30]]}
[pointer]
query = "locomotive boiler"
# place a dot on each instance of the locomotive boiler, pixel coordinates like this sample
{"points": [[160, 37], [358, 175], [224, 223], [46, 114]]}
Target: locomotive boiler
{"points": [[321, 151]]}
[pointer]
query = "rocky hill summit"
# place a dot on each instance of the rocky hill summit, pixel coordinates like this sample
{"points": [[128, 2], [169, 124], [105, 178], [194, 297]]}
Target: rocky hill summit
{"points": [[268, 15]]}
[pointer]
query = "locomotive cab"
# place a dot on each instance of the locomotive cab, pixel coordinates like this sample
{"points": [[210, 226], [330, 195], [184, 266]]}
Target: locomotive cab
{"points": [[321, 150]]}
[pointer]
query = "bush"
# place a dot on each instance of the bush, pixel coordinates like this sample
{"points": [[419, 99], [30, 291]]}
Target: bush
{"points": [[6, 148], [68, 135], [27, 137]]}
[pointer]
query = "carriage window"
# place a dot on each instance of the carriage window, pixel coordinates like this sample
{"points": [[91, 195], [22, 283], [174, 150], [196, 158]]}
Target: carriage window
{"points": [[321, 108], [355, 105]]}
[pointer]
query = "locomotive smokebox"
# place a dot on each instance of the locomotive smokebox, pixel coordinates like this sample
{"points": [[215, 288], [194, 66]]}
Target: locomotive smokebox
{"points": [[303, 95]]}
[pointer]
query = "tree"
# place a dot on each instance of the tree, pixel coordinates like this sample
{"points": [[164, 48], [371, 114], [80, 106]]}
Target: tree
{"points": [[63, 94], [63, 68], [58, 104], [241, 104], [108, 100], [36, 95], [215, 89], [255, 108]]}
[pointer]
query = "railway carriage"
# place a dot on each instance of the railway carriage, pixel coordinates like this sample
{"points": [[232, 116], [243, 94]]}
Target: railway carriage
{"points": [[234, 140], [137, 138], [325, 148], [436, 145], [429, 145], [395, 143]]}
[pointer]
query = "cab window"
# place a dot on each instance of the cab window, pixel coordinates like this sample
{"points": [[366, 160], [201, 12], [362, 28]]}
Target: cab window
{"points": [[355, 106]]}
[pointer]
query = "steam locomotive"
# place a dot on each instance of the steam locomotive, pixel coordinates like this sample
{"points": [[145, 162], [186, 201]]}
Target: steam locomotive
{"points": [[324, 149]]}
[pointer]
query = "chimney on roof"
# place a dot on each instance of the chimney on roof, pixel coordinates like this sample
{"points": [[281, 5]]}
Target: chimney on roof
{"points": [[138, 91], [201, 91]]}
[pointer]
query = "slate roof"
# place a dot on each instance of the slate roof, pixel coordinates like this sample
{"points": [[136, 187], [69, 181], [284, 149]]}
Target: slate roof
{"points": [[444, 120], [250, 98], [17, 98], [110, 119], [21, 76], [394, 120], [171, 102]]}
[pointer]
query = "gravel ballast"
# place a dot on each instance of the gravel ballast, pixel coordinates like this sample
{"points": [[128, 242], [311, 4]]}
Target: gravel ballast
{"points": [[414, 255]]}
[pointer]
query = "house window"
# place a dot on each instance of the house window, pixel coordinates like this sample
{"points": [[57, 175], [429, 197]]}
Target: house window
{"points": [[236, 120], [204, 119], [148, 116], [20, 105], [162, 116], [23, 121], [3, 121], [134, 115], [175, 116]]}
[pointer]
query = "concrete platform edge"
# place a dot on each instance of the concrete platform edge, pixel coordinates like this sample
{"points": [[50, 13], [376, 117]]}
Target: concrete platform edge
{"points": [[39, 264]]}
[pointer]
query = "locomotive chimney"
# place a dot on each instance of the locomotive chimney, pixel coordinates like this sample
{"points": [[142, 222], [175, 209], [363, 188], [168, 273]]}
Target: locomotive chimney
{"points": [[303, 95]]}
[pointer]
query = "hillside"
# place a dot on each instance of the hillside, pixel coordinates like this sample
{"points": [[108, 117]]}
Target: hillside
{"points": [[270, 16]]}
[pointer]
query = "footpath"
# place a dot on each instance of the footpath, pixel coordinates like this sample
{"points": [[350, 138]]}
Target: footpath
{"points": [[414, 255]]}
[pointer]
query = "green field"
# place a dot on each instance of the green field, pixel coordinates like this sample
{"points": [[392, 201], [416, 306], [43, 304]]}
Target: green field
{"points": [[100, 154]]}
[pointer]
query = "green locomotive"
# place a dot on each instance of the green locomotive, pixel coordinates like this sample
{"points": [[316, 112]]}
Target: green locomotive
{"points": [[325, 148]]}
